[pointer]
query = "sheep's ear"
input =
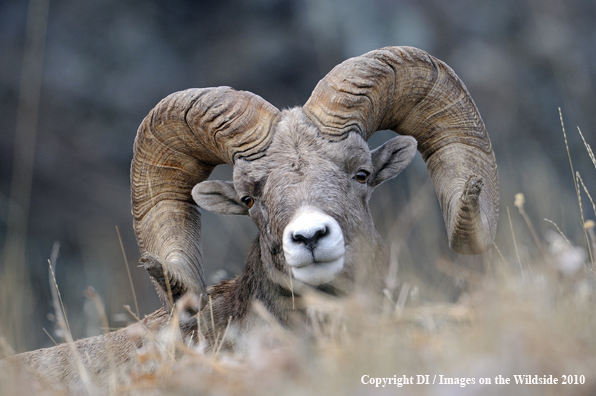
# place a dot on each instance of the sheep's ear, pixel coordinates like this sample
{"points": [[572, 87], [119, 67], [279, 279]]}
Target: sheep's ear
{"points": [[218, 197], [391, 158]]}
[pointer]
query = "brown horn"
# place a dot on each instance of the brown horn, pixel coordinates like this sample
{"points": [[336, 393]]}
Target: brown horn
{"points": [[412, 93], [177, 146]]}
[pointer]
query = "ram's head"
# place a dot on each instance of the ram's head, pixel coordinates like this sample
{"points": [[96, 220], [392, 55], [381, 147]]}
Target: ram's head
{"points": [[305, 175], [309, 198]]}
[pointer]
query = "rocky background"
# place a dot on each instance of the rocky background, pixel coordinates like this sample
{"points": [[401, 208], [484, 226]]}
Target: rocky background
{"points": [[106, 63]]}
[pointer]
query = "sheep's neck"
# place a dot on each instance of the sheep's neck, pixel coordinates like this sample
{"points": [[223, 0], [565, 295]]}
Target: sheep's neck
{"points": [[233, 298]]}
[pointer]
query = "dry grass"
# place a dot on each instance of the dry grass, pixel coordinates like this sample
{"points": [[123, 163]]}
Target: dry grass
{"points": [[505, 324], [543, 325]]}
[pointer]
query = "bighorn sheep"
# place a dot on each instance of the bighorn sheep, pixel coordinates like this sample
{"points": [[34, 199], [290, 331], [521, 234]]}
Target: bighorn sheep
{"points": [[304, 176]]}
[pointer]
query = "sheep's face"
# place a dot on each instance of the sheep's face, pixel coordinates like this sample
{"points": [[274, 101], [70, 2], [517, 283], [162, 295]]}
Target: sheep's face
{"points": [[309, 197]]}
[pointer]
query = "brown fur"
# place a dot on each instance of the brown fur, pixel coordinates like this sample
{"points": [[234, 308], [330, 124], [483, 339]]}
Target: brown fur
{"points": [[108, 360]]}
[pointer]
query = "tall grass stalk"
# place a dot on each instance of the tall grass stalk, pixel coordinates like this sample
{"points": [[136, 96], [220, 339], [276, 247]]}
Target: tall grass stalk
{"points": [[577, 191]]}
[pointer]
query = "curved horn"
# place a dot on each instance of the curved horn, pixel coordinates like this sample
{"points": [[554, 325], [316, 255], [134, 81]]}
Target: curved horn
{"points": [[410, 92], [177, 146]]}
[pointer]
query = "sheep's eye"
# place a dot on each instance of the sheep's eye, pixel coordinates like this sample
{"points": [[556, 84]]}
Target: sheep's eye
{"points": [[248, 201], [361, 176]]}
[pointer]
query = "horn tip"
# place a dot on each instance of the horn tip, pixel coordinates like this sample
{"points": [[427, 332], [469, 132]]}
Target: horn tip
{"points": [[472, 189], [473, 231]]}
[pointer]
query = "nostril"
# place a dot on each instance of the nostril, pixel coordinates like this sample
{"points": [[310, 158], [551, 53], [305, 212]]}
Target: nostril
{"points": [[310, 237], [320, 233], [298, 238]]}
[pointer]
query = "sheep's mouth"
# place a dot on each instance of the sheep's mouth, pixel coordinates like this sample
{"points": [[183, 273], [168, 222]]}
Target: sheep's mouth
{"points": [[317, 273], [314, 261]]}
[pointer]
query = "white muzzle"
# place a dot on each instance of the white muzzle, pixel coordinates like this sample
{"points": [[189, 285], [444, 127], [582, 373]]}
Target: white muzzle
{"points": [[314, 247]]}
